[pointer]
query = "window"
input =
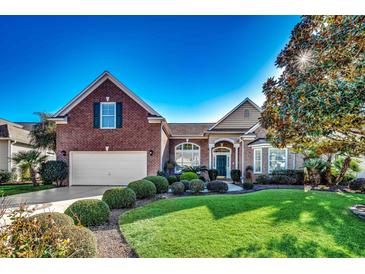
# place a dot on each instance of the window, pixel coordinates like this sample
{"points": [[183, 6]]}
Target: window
{"points": [[107, 117], [246, 114], [277, 159], [187, 154], [257, 164]]}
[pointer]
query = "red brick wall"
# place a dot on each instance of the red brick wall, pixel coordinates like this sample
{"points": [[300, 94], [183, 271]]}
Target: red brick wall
{"points": [[203, 143], [136, 133]]}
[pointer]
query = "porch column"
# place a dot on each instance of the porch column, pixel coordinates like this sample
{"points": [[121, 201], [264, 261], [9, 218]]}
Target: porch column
{"points": [[211, 146], [236, 146]]}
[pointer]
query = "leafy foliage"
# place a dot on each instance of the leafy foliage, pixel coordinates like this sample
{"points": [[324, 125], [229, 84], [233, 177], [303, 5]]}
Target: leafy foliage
{"points": [[195, 169], [31, 160], [82, 241], [236, 175], [247, 185], [186, 184], [89, 212], [161, 183], [53, 171], [177, 188], [172, 179], [313, 169], [5, 176], [213, 173], [357, 184], [47, 218], [188, 176], [119, 197], [196, 185], [318, 102], [143, 189], [217, 186], [43, 134]]}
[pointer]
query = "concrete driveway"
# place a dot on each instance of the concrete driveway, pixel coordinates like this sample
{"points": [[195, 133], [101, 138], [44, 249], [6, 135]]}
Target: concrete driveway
{"points": [[57, 199]]}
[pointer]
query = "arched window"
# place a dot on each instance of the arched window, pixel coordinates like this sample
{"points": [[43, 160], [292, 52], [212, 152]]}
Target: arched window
{"points": [[246, 114], [187, 154]]}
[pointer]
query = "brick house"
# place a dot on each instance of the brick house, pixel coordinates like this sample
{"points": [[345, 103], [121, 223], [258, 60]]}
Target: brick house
{"points": [[110, 136]]}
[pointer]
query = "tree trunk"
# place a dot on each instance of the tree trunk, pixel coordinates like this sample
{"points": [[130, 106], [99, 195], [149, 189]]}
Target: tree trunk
{"points": [[345, 166], [328, 171], [33, 176]]}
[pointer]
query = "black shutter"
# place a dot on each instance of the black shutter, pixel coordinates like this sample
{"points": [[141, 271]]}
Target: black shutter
{"points": [[96, 115], [119, 115]]}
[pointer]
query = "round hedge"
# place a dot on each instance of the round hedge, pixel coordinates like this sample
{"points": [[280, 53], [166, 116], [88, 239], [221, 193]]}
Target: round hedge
{"points": [[172, 179], [188, 176], [143, 189], [160, 182], [217, 186], [177, 188], [60, 219], [89, 212], [82, 241], [247, 185], [186, 184], [196, 185], [53, 171], [357, 184], [119, 197]]}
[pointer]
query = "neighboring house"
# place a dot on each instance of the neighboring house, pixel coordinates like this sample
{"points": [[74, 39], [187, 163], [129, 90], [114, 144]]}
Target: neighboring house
{"points": [[14, 137], [110, 136]]}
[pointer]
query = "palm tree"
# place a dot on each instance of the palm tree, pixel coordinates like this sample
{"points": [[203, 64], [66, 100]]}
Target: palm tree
{"points": [[31, 160], [43, 134], [313, 169]]}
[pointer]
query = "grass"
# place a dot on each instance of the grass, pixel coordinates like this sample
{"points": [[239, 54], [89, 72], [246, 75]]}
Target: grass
{"points": [[7, 190], [269, 223]]}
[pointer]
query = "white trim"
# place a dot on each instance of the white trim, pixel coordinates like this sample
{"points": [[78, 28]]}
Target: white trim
{"points": [[101, 114], [243, 156], [187, 142], [58, 120], [224, 139], [234, 109], [254, 160], [188, 137], [253, 128], [10, 160], [155, 120], [228, 159], [236, 146], [261, 146], [95, 84], [210, 147]]}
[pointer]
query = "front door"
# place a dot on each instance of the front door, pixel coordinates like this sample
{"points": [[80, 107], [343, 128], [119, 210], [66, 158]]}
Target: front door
{"points": [[221, 165]]}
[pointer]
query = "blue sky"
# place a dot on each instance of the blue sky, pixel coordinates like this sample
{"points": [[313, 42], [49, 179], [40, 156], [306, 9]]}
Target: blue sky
{"points": [[188, 68]]}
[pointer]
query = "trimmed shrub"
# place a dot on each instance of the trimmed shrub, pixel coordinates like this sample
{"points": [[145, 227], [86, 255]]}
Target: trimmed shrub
{"points": [[119, 197], [217, 186], [196, 185], [247, 185], [172, 179], [60, 219], [202, 178], [5, 176], [82, 241], [177, 188], [186, 184], [236, 175], [53, 171], [89, 212], [263, 180], [357, 184], [188, 176], [249, 173], [143, 189], [161, 183], [283, 180], [213, 173]]}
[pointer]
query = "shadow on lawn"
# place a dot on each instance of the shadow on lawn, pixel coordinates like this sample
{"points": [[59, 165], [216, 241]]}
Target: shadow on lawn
{"points": [[328, 211], [286, 246]]}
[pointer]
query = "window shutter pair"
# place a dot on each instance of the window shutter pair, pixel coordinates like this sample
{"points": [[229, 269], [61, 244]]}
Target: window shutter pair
{"points": [[118, 114]]}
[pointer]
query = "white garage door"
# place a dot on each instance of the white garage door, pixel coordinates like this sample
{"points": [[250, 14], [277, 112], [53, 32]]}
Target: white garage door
{"points": [[107, 168]]}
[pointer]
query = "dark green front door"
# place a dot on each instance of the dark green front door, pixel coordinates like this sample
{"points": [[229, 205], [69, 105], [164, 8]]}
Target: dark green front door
{"points": [[221, 165]]}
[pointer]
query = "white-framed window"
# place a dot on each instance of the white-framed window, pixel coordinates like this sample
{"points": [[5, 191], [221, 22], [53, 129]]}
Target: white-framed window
{"points": [[187, 154], [276, 159], [107, 115], [246, 114], [257, 163]]}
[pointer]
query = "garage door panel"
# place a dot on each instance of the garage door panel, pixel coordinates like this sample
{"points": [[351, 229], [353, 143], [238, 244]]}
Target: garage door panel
{"points": [[107, 168]]}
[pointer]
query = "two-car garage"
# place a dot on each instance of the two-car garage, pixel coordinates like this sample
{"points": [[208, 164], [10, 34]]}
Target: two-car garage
{"points": [[107, 167]]}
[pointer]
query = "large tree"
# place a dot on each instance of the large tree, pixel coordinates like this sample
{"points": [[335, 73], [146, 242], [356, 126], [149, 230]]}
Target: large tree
{"points": [[318, 102], [43, 134]]}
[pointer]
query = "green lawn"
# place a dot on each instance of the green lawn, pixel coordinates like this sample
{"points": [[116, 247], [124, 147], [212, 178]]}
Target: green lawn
{"points": [[7, 190], [269, 223]]}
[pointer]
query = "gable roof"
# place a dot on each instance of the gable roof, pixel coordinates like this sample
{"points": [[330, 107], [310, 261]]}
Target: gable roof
{"points": [[188, 129], [234, 109], [96, 83], [14, 133]]}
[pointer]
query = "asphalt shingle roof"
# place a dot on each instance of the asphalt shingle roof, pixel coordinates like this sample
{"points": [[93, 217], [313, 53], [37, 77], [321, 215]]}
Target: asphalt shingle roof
{"points": [[189, 129]]}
